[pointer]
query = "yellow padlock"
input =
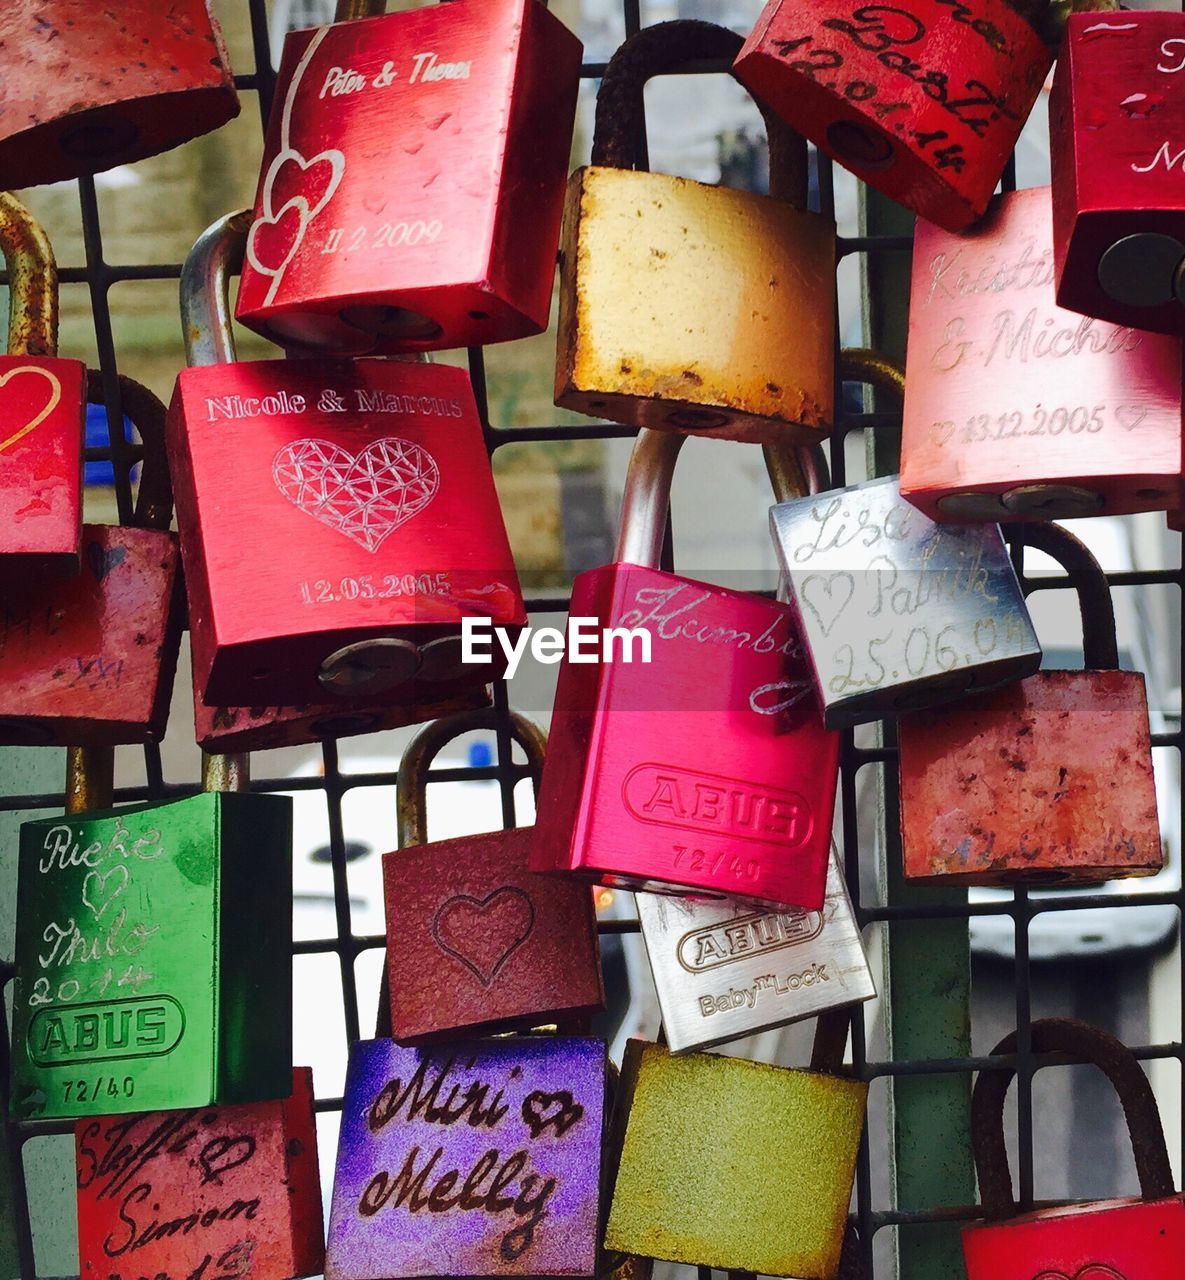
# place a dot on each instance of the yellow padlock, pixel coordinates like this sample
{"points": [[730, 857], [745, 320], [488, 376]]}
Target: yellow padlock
{"points": [[689, 307]]}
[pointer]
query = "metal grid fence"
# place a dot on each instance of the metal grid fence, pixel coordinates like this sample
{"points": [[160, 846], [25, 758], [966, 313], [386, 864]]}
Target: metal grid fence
{"points": [[872, 1215]]}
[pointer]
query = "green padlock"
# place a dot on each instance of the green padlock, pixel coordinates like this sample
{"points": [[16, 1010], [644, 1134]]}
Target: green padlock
{"points": [[153, 951]]}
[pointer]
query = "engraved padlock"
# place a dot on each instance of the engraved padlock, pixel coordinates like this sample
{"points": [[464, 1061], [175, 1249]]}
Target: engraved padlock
{"points": [[723, 970], [1116, 117], [90, 660], [42, 413], [475, 941], [90, 86], [474, 1158], [1047, 780], [413, 180], [924, 101], [897, 611], [1016, 409], [375, 526], [690, 307], [1127, 1239], [212, 1190], [706, 769], [153, 950]]}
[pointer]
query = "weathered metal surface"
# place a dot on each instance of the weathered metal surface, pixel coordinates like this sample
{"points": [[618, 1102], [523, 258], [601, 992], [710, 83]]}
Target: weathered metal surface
{"points": [[1016, 409], [921, 102], [897, 611], [1046, 780], [695, 1186], [439, 231], [138, 985], [89, 87], [475, 941], [201, 1193], [1115, 114], [480, 1158]]}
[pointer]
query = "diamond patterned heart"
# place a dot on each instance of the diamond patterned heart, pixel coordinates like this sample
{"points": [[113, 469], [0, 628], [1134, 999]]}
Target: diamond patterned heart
{"points": [[365, 495]]}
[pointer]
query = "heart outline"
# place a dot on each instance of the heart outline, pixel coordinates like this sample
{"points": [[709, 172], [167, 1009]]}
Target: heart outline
{"points": [[463, 901], [101, 878], [1129, 411], [831, 580], [55, 398], [539, 1116]]}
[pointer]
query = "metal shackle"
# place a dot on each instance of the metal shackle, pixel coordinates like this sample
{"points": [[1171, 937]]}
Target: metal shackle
{"points": [[411, 783], [1100, 649], [146, 412], [1118, 1064], [666, 47], [646, 498], [217, 254], [32, 281]]}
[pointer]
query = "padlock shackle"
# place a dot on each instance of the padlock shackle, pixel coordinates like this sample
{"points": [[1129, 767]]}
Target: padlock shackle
{"points": [[667, 47], [863, 364], [1100, 648], [32, 281], [1118, 1064], [217, 254], [90, 778], [411, 782], [147, 413]]}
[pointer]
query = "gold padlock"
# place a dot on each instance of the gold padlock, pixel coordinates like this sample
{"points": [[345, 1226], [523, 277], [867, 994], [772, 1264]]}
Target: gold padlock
{"points": [[688, 307]]}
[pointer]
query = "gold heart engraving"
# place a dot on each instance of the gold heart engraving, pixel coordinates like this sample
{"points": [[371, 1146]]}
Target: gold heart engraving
{"points": [[55, 395]]}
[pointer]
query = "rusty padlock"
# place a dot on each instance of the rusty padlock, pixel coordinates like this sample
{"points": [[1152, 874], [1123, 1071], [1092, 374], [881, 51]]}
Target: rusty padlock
{"points": [[1116, 116], [1016, 409], [923, 101], [689, 307], [137, 986], [42, 413], [203, 1192], [375, 529], [1043, 781], [706, 769], [896, 611], [90, 660], [1136, 1239], [87, 87], [683, 1127], [475, 941], [413, 179], [474, 1158]]}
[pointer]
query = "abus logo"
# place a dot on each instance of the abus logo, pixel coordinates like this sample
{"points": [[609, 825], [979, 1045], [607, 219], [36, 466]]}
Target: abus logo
{"points": [[142, 1028], [703, 802], [714, 945]]}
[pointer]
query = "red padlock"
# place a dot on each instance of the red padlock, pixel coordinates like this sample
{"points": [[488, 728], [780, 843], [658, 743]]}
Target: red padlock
{"points": [[375, 526], [413, 180], [923, 100], [1116, 119], [1048, 779], [1016, 409], [42, 414], [202, 1193], [89, 86], [707, 769], [89, 661], [475, 941], [1130, 1239]]}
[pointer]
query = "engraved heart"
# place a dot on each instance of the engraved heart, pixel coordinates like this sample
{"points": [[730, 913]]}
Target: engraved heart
{"points": [[1129, 416], [52, 396], [827, 595], [272, 241], [483, 933], [102, 561], [558, 1111], [365, 495], [1092, 1271], [941, 432], [99, 890]]}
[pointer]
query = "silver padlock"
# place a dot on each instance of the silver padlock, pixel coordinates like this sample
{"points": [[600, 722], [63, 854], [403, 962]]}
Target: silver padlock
{"points": [[724, 970], [897, 612]]}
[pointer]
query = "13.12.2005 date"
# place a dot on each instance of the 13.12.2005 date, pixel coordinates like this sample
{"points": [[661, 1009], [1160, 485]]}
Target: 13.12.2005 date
{"points": [[1041, 421]]}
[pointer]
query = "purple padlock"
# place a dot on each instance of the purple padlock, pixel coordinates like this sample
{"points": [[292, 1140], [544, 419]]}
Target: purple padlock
{"points": [[475, 1158]]}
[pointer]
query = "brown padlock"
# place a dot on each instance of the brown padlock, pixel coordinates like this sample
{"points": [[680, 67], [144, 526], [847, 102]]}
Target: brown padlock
{"points": [[89, 661]]}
